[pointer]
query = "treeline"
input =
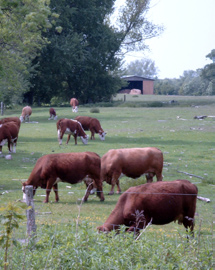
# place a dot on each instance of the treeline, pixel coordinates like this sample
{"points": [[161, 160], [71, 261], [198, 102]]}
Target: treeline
{"points": [[192, 83], [69, 48]]}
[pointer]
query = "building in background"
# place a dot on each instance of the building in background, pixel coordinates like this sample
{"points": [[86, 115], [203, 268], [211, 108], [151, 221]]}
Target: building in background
{"points": [[145, 85]]}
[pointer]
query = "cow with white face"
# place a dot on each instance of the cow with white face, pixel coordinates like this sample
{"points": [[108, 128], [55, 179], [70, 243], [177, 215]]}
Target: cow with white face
{"points": [[92, 124], [26, 113], [74, 104], [53, 115], [71, 127]]}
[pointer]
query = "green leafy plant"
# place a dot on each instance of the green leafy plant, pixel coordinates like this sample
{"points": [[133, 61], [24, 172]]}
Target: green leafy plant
{"points": [[10, 215]]}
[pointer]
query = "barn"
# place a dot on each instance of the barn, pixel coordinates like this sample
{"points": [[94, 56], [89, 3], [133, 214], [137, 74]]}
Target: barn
{"points": [[146, 85]]}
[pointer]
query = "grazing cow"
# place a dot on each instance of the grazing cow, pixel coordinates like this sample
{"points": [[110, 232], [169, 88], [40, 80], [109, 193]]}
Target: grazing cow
{"points": [[26, 113], [9, 133], [154, 203], [70, 127], [53, 115], [74, 104], [131, 162], [92, 124], [65, 167], [15, 120]]}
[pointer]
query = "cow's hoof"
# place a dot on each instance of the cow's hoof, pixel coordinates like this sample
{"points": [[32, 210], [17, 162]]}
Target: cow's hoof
{"points": [[110, 193]]}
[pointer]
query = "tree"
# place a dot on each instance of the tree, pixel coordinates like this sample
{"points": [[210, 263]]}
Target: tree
{"points": [[143, 67], [22, 23], [82, 59], [208, 73]]}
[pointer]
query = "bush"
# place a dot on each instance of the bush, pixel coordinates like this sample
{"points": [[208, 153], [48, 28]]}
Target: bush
{"points": [[95, 110]]}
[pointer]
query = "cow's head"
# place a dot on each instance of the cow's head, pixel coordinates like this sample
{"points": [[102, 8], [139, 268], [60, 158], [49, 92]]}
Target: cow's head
{"points": [[102, 135], [24, 195], [21, 118], [85, 139]]}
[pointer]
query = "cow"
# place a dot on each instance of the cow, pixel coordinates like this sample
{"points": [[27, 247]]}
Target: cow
{"points": [[65, 167], [71, 127], [74, 104], [154, 203], [15, 120], [92, 124], [131, 162], [26, 113], [53, 115], [9, 133]]}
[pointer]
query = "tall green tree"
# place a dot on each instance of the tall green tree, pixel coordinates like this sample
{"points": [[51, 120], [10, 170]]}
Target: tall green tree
{"points": [[21, 26], [208, 73], [83, 56]]}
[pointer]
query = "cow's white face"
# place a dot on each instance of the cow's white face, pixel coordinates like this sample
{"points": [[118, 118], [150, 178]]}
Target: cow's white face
{"points": [[3, 142], [24, 195], [85, 140], [21, 118], [75, 109], [102, 136]]}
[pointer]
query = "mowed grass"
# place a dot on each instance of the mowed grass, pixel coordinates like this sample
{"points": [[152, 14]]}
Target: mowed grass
{"points": [[188, 146]]}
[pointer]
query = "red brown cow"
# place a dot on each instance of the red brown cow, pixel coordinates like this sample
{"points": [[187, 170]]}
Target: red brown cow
{"points": [[53, 115], [16, 120], [26, 113], [65, 167], [156, 203], [74, 104], [9, 133], [92, 124], [71, 127], [131, 162]]}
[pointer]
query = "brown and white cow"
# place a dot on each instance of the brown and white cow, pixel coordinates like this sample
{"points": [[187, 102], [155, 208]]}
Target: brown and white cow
{"points": [[16, 120], [71, 127], [74, 104], [131, 162], [9, 133], [92, 124], [53, 115], [156, 203], [65, 167], [26, 113]]}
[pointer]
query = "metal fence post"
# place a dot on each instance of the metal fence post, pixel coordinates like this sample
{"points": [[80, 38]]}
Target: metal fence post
{"points": [[31, 225]]}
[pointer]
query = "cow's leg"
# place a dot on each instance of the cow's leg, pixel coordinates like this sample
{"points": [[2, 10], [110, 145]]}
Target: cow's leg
{"points": [[118, 187], [149, 177], [159, 176], [115, 178], [60, 136], [100, 193], [87, 193], [188, 222], [49, 186], [68, 138], [55, 188], [75, 137], [0, 149]]}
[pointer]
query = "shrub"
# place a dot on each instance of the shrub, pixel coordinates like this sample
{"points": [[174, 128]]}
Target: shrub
{"points": [[95, 110]]}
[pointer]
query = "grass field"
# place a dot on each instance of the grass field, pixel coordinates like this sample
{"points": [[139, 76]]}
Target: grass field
{"points": [[188, 145]]}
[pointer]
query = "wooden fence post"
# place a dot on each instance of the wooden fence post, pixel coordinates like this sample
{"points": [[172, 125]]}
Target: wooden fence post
{"points": [[2, 108], [31, 225]]}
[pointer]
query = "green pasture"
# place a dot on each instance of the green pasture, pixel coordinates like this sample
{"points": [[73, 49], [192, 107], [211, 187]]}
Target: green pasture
{"points": [[188, 145]]}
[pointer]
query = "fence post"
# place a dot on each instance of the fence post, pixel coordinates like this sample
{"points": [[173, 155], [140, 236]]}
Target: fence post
{"points": [[124, 98], [2, 108], [31, 225]]}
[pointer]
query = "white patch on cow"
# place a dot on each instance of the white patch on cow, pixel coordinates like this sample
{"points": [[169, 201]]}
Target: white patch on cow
{"points": [[24, 195], [68, 131], [57, 181], [0, 125], [85, 140], [3, 142], [55, 118], [102, 136]]}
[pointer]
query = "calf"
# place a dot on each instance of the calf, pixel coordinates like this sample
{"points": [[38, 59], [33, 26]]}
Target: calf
{"points": [[53, 114], [74, 104], [92, 124], [65, 167], [131, 162], [26, 113], [9, 133], [154, 203], [15, 120], [70, 127]]}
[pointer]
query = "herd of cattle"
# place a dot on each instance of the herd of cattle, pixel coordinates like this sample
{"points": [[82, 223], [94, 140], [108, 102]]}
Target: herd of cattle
{"points": [[159, 203]]}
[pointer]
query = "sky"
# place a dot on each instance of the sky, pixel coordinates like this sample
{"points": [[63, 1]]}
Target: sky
{"points": [[188, 36]]}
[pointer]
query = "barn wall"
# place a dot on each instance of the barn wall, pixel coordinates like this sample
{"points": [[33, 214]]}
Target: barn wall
{"points": [[148, 87]]}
